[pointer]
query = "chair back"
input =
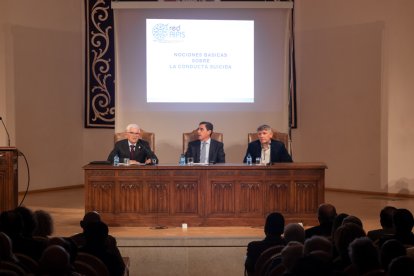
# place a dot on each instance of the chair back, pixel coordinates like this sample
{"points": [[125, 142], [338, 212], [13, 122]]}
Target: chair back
{"points": [[85, 269], [28, 262], [191, 136], [12, 267], [279, 136], [93, 261], [146, 136], [263, 260]]}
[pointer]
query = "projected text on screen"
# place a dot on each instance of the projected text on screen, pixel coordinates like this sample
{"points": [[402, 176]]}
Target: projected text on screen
{"points": [[200, 60]]}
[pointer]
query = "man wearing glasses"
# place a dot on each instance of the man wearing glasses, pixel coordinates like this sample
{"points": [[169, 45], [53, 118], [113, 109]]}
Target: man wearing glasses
{"points": [[137, 150]]}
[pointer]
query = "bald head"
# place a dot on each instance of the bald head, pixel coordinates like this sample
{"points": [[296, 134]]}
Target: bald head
{"points": [[90, 217], [326, 213]]}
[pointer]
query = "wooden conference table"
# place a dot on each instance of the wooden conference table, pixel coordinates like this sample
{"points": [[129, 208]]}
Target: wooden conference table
{"points": [[213, 195]]}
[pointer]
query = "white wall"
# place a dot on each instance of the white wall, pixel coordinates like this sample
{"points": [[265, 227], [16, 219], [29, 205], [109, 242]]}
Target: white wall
{"points": [[354, 66], [45, 92]]}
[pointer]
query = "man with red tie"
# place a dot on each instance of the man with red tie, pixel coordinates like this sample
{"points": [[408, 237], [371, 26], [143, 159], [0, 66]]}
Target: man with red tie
{"points": [[134, 148]]}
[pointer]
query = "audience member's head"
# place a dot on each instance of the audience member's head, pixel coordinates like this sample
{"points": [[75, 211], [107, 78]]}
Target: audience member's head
{"points": [[364, 255], [337, 222], [55, 261], [344, 235], [401, 266], [390, 250], [67, 244], [353, 219], [44, 224], [326, 213], [294, 232], [89, 217], [275, 224], [291, 253], [29, 221], [317, 243], [11, 223], [386, 215], [403, 221]]}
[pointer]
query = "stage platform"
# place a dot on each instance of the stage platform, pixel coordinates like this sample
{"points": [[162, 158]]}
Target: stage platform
{"points": [[195, 250]]}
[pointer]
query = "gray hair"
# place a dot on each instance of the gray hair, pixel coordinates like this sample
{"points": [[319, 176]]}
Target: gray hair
{"points": [[127, 129], [264, 127]]}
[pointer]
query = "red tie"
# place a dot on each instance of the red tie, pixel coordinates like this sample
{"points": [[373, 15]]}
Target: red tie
{"points": [[132, 152]]}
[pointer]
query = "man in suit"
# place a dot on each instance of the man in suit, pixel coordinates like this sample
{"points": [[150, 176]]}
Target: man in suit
{"points": [[326, 217], [134, 148], [274, 226], [267, 149], [205, 149]]}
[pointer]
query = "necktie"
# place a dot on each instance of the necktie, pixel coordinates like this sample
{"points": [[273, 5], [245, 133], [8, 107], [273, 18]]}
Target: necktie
{"points": [[132, 152], [203, 154]]}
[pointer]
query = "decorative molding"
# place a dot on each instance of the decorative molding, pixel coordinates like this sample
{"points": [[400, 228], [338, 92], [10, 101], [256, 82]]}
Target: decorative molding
{"points": [[100, 65]]}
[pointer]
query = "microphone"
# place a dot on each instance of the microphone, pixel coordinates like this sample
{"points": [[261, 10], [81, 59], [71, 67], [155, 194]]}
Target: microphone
{"points": [[146, 149], [5, 128]]}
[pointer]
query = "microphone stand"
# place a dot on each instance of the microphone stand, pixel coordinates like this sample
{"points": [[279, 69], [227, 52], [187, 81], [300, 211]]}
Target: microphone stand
{"points": [[5, 128]]}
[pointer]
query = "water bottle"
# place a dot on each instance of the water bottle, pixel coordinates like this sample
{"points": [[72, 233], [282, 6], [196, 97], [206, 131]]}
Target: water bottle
{"points": [[116, 160], [182, 160], [249, 159]]}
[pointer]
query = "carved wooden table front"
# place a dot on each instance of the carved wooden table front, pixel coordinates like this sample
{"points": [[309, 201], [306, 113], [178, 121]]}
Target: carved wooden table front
{"points": [[214, 195]]}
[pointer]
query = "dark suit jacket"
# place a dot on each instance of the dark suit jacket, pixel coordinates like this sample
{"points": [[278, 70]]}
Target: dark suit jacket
{"points": [[215, 155], [278, 152], [324, 230], [142, 151]]}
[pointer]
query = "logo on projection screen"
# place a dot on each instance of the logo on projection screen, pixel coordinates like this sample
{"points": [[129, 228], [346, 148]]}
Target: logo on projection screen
{"points": [[167, 33]]}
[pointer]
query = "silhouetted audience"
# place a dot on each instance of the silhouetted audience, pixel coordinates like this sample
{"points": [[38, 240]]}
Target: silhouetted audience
{"points": [[294, 232], [55, 261], [343, 250], [29, 221], [353, 219], [390, 250], [96, 235], [90, 217], [44, 227], [6, 252], [67, 244], [292, 252], [387, 226], [364, 256], [326, 216], [317, 243], [337, 223], [401, 266], [274, 226], [403, 224], [344, 235], [311, 265], [11, 223]]}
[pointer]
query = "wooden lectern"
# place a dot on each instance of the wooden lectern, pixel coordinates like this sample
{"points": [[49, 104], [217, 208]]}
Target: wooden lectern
{"points": [[8, 178]]}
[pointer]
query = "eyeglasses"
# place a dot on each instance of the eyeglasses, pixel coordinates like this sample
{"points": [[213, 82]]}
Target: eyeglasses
{"points": [[134, 133]]}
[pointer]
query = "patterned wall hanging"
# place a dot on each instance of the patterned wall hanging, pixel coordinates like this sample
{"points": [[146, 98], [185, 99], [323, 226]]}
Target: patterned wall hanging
{"points": [[100, 65]]}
